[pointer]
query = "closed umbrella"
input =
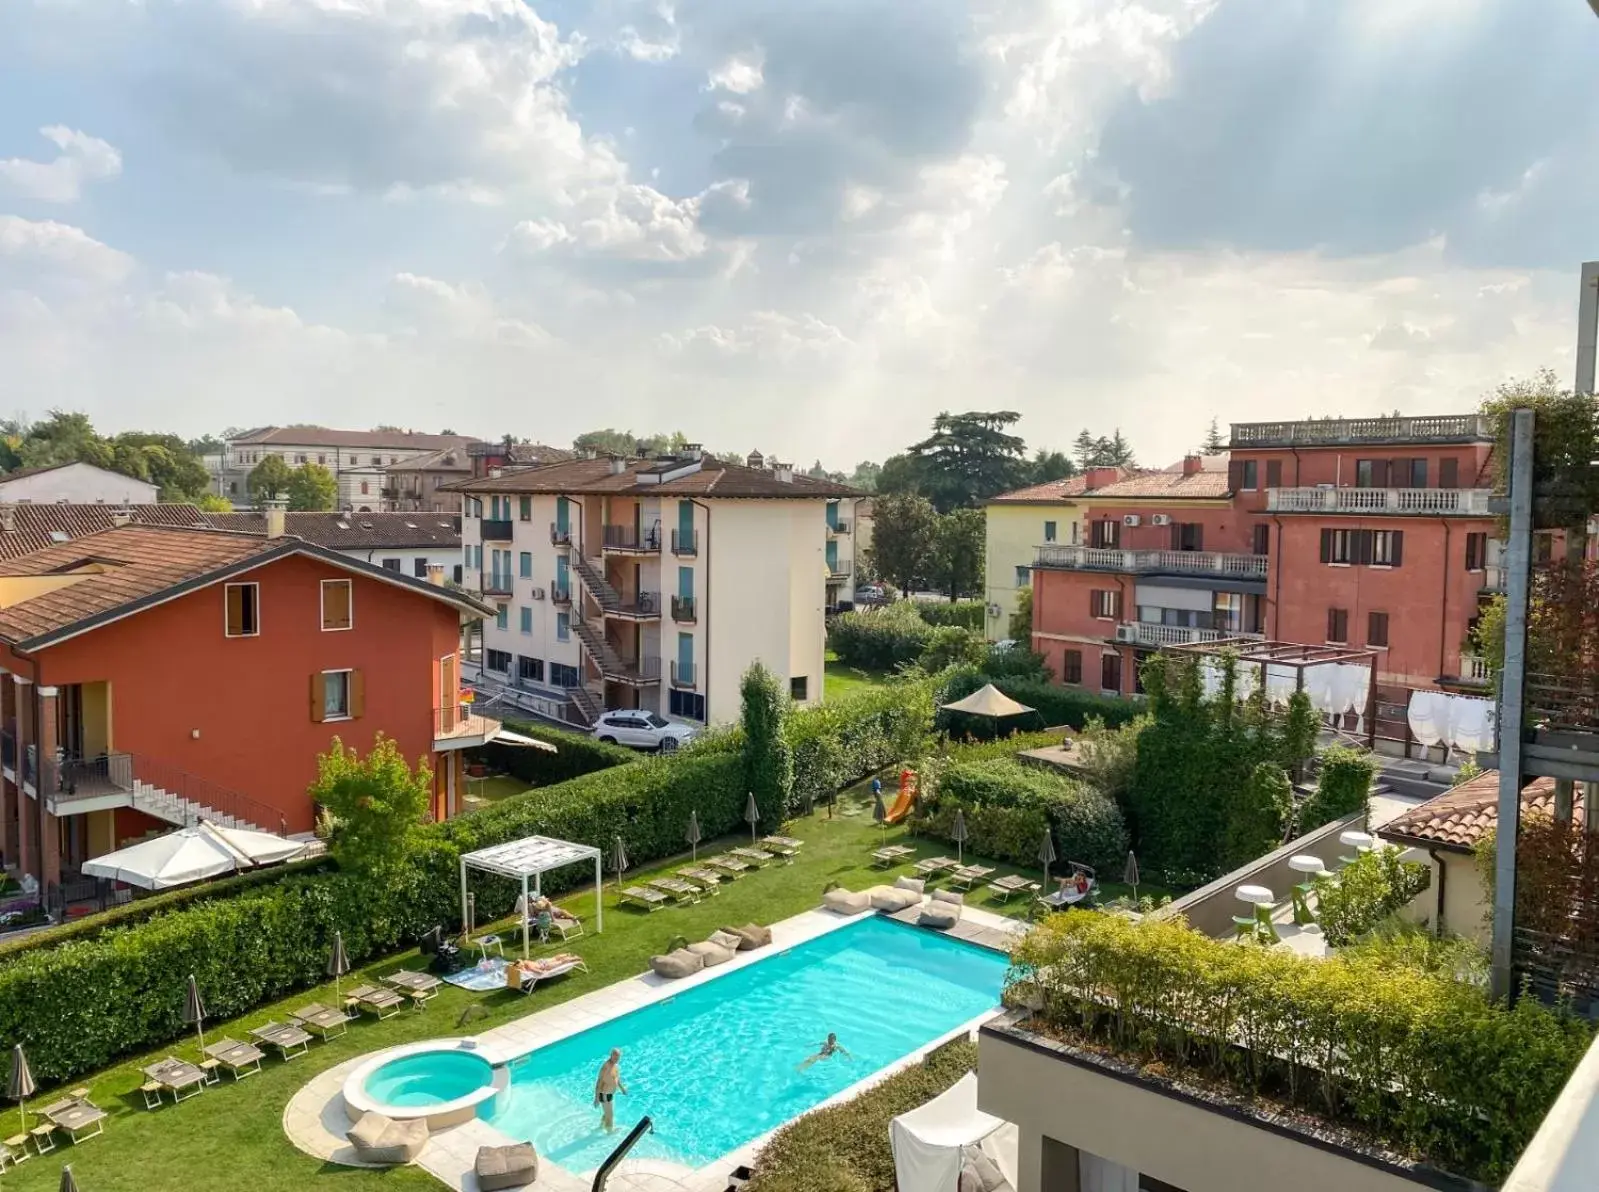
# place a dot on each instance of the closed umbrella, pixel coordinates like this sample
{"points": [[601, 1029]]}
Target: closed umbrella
{"points": [[338, 961], [20, 1086], [693, 835], [1046, 854], [957, 833], [1130, 873], [194, 1011], [68, 1182], [752, 815], [879, 812], [619, 860]]}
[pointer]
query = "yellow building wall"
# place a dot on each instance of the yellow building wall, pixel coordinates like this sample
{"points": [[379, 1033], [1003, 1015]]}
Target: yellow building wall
{"points": [[96, 719], [1014, 534]]}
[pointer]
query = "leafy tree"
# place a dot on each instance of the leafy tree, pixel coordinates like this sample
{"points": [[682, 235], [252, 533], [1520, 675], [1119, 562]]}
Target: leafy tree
{"points": [[1565, 451], [211, 503], [1021, 621], [1214, 444], [1085, 449], [377, 803], [904, 538], [1343, 787], [1114, 452], [269, 479], [207, 445], [164, 460], [768, 755], [971, 457], [865, 476], [312, 488], [959, 543], [901, 474], [951, 645], [606, 442], [1258, 817], [1051, 465]]}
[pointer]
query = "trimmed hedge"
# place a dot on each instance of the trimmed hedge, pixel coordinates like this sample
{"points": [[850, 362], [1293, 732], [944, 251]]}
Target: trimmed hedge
{"points": [[576, 754], [963, 614], [1054, 706], [1007, 806], [845, 740], [80, 1005], [1431, 1066], [1366, 891], [1342, 788], [845, 1147], [880, 639]]}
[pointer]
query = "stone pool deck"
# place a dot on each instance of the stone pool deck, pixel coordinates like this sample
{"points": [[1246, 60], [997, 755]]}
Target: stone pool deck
{"points": [[315, 1119]]}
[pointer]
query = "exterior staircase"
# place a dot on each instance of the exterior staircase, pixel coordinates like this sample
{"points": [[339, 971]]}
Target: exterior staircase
{"points": [[594, 578], [611, 664], [585, 704], [174, 809]]}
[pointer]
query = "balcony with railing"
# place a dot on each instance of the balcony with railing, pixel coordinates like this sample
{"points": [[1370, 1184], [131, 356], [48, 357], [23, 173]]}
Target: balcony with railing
{"points": [[1055, 556], [839, 568], [838, 526], [684, 675], [457, 726], [636, 606], [1475, 670], [497, 583], [685, 610], [1146, 633], [561, 594], [70, 781], [496, 529], [560, 535], [1404, 502], [685, 545], [625, 540], [1333, 432]]}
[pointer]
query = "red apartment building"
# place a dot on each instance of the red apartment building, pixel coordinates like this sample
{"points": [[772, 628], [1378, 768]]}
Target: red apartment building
{"points": [[1372, 533], [153, 675]]}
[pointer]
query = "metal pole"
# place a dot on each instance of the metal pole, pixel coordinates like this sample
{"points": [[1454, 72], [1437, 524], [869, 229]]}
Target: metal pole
{"points": [[599, 898], [526, 909], [463, 897], [1587, 323], [1518, 552]]}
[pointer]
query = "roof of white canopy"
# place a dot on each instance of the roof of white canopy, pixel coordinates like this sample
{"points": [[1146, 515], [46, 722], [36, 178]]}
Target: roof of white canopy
{"points": [[988, 701], [191, 855], [529, 856]]}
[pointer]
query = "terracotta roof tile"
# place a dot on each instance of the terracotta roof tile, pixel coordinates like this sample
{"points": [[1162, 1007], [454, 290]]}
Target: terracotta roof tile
{"points": [[351, 531], [713, 478], [37, 527], [1050, 490], [1459, 818], [322, 436], [1168, 486]]}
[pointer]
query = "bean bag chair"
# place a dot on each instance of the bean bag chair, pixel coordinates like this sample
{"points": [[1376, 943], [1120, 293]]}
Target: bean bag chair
{"points": [[680, 963], [499, 1167], [847, 902], [751, 935], [379, 1139]]}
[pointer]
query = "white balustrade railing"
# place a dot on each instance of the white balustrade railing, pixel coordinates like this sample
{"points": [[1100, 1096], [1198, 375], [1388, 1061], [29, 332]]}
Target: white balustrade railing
{"points": [[1145, 633], [1471, 502], [1181, 562], [1448, 428]]}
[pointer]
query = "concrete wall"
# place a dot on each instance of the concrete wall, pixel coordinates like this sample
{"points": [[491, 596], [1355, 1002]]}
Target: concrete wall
{"points": [[79, 483], [1061, 1107]]}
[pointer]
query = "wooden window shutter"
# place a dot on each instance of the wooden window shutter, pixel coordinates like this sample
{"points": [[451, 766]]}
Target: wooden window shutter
{"points": [[1326, 546], [1379, 473], [1396, 539], [1274, 473], [1235, 475], [1093, 604], [319, 698], [235, 618], [1362, 551], [1399, 473], [357, 693], [1449, 472]]}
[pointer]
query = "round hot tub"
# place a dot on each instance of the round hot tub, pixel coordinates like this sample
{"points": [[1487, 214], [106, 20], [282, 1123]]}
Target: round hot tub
{"points": [[444, 1083]]}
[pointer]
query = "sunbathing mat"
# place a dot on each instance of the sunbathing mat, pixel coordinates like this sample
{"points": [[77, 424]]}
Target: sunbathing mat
{"points": [[483, 977]]}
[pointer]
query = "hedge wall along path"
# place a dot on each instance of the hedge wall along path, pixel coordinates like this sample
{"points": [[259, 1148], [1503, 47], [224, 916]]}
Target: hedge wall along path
{"points": [[78, 1007]]}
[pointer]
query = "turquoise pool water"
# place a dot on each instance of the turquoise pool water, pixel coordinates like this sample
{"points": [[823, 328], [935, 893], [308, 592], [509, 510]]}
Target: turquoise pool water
{"points": [[718, 1064], [431, 1078]]}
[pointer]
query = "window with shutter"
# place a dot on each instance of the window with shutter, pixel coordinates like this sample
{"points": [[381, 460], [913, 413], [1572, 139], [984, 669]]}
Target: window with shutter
{"points": [[1262, 542], [1326, 546], [357, 692], [337, 598], [1110, 671], [338, 695], [1235, 475], [1338, 625], [1251, 474], [1476, 551], [1376, 629], [1073, 667], [1449, 473], [243, 604], [318, 697], [1274, 473]]}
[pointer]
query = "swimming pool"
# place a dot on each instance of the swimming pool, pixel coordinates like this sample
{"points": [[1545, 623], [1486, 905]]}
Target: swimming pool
{"points": [[718, 1065]]}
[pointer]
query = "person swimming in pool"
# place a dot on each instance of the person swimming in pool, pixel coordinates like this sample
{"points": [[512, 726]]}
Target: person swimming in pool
{"points": [[607, 1086], [829, 1049]]}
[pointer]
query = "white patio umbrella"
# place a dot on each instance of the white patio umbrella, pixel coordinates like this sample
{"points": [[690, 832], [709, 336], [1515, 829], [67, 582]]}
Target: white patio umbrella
{"points": [[1046, 854], [194, 1011], [752, 815], [338, 961], [619, 860], [192, 854], [693, 835], [20, 1085], [957, 833]]}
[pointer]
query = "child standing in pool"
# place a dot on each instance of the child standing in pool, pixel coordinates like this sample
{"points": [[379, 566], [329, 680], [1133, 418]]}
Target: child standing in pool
{"points": [[607, 1086]]}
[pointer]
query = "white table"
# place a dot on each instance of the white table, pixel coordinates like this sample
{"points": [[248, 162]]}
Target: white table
{"points": [[1257, 926], [1361, 842], [1255, 895]]}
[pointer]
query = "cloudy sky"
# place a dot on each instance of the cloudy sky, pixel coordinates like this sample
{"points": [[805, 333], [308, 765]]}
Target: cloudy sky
{"points": [[800, 226]]}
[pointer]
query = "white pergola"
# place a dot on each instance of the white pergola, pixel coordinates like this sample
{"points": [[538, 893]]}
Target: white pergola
{"points": [[531, 858]]}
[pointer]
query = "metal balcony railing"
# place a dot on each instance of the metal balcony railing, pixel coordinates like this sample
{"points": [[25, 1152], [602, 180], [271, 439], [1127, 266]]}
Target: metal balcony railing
{"points": [[637, 606], [561, 593], [496, 529], [683, 675], [685, 544], [89, 778], [497, 583], [626, 538], [1321, 432], [560, 535], [840, 567], [1431, 502], [1169, 562], [685, 610], [459, 720], [840, 526]]}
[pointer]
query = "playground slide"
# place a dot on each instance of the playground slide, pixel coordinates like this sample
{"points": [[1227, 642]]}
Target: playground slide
{"points": [[901, 808]]}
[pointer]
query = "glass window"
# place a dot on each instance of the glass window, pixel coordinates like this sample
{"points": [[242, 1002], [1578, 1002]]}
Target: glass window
{"points": [[797, 687], [526, 511], [1024, 576], [501, 617], [335, 695], [1073, 667], [243, 603], [391, 564], [527, 619], [419, 568], [1049, 531], [1251, 474], [563, 626], [526, 565]]}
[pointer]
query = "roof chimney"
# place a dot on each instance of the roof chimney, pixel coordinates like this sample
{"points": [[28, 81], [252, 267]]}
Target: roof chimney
{"points": [[1192, 464], [496, 473], [618, 465], [8, 518], [277, 519], [755, 460], [436, 574], [121, 517], [1099, 477], [785, 472], [692, 451]]}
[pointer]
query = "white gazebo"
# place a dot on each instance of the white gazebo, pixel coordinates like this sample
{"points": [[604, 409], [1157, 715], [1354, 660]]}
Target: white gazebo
{"points": [[531, 858]]}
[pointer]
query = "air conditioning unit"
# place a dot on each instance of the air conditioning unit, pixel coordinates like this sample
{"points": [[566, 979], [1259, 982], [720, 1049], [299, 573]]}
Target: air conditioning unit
{"points": [[1160, 519], [537, 593], [1126, 633], [994, 610], [1131, 519]]}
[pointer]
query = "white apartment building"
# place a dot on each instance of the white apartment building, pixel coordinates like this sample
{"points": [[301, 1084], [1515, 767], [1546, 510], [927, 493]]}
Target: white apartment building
{"points": [[359, 460], [74, 483], [652, 584]]}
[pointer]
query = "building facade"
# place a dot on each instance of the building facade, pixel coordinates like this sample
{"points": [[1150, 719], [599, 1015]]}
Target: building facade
{"points": [[651, 584], [104, 737], [358, 459], [78, 483], [415, 544]]}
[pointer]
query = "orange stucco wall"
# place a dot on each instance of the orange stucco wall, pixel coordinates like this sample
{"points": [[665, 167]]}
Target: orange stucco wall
{"points": [[235, 712]]}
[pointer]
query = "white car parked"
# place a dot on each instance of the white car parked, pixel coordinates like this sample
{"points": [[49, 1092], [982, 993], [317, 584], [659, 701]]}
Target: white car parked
{"points": [[641, 730]]}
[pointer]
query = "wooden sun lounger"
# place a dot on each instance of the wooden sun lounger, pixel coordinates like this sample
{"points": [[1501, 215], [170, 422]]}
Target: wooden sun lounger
{"points": [[934, 865], [289, 1041], [419, 986], [178, 1077], [891, 856], [757, 857], [784, 846], [969, 875], [530, 973], [650, 900], [708, 879], [677, 888], [81, 1118], [382, 1002], [730, 865], [322, 1020], [240, 1059]]}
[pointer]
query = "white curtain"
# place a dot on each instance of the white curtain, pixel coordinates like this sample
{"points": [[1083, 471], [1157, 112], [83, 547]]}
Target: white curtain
{"points": [[1463, 722], [1281, 683], [1101, 1175]]}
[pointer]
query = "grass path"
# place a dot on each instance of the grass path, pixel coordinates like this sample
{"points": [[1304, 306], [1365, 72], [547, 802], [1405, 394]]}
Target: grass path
{"points": [[231, 1137], [841, 680]]}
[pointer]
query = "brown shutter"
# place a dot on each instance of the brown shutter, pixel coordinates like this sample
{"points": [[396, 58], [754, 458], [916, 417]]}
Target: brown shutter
{"points": [[1379, 473], [1093, 603], [235, 614], [1235, 475], [1326, 546], [319, 697], [1199, 535], [1396, 540], [1449, 472], [357, 693], [1274, 473]]}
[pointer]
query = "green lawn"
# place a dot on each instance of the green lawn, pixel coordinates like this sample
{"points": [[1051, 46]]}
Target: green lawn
{"points": [[232, 1137], [844, 680], [483, 792]]}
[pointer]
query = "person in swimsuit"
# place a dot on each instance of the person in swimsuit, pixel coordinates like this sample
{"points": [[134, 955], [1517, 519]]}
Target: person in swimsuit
{"points": [[830, 1048], [607, 1086]]}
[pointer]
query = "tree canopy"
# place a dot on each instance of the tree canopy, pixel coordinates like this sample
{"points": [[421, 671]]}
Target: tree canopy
{"points": [[163, 460], [312, 488], [971, 457], [269, 480], [904, 536], [377, 803]]}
